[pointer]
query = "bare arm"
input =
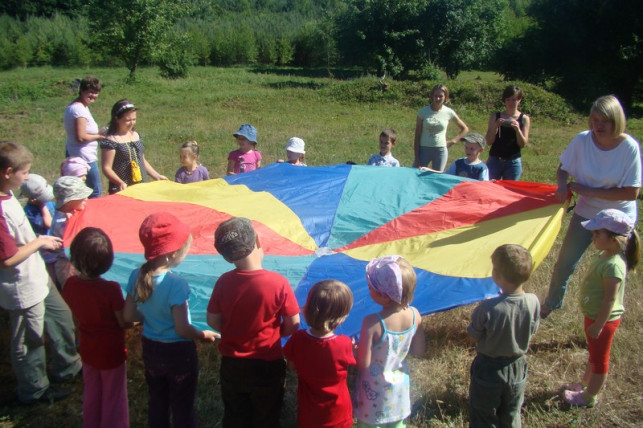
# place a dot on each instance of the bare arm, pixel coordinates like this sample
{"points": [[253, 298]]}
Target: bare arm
{"points": [[230, 169], [610, 289], [107, 163], [289, 325], [492, 129], [130, 311], [152, 172], [214, 320], [464, 130], [418, 343], [371, 331], [522, 136], [187, 330], [611, 194], [121, 320], [43, 241], [46, 215], [416, 142], [82, 136]]}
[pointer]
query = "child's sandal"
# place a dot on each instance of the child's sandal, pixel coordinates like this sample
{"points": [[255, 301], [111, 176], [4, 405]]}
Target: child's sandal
{"points": [[577, 399], [576, 387]]}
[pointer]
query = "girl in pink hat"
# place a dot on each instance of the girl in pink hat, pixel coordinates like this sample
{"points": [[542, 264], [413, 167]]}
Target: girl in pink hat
{"points": [[387, 337], [158, 298]]}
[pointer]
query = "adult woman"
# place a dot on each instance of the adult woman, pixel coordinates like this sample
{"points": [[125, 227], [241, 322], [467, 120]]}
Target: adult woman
{"points": [[82, 131], [123, 156], [507, 133], [606, 165], [430, 144]]}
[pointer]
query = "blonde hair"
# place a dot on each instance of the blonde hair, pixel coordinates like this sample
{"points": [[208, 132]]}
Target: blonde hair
{"points": [[630, 247], [144, 285], [328, 304], [442, 88], [193, 146], [409, 279], [610, 107]]}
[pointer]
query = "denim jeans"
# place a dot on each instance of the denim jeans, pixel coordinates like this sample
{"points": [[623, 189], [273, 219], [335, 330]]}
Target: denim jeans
{"points": [[496, 391], [93, 180], [172, 374], [504, 169], [576, 242], [436, 156]]}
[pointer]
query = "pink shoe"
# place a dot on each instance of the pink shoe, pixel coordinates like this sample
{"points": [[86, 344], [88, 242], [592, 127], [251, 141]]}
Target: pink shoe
{"points": [[576, 387], [576, 399]]}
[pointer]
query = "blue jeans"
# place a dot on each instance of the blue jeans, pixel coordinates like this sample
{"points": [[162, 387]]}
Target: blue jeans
{"points": [[504, 169], [436, 156], [574, 246], [496, 391], [93, 180]]}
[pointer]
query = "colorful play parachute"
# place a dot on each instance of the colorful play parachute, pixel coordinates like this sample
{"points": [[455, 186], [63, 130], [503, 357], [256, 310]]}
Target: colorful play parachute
{"points": [[317, 223]]}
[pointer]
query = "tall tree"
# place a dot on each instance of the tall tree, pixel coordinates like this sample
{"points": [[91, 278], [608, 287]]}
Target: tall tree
{"points": [[584, 48], [134, 29]]}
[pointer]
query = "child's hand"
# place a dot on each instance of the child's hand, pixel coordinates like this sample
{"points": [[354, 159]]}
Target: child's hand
{"points": [[52, 243], [162, 177], [594, 330], [210, 336]]}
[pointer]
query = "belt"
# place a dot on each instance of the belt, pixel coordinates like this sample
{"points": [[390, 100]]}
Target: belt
{"points": [[512, 157]]}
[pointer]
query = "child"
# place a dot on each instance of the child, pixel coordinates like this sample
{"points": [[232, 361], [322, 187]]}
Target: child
{"points": [[471, 166], [75, 167], [321, 358], [97, 306], [386, 338], [295, 151], [502, 327], [247, 157], [27, 293], [253, 309], [388, 137], [71, 196], [191, 170], [159, 299], [601, 298], [40, 205]]}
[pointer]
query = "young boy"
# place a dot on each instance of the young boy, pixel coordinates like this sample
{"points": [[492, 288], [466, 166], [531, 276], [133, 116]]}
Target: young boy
{"points": [[253, 309], [27, 293], [471, 166], [388, 137], [502, 328], [71, 196]]}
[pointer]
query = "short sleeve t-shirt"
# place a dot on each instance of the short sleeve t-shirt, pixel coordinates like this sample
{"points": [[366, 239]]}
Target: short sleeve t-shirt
{"points": [[244, 162], [252, 304], [476, 171], [184, 176], [93, 303], [379, 160], [605, 169], [158, 322], [87, 151], [592, 290], [434, 126]]}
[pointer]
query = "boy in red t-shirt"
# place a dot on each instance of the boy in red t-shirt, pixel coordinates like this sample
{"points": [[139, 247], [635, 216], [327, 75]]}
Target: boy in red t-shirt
{"points": [[253, 309]]}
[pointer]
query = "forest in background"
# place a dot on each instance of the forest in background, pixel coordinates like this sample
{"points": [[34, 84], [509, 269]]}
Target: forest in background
{"points": [[578, 48]]}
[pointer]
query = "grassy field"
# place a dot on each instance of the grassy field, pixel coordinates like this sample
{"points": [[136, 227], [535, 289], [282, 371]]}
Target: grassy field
{"points": [[340, 120]]}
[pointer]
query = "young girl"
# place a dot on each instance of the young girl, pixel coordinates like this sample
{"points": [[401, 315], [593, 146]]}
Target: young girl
{"points": [[97, 306], [123, 156], [601, 298], [430, 143], [295, 151], [507, 133], [247, 157], [159, 298], [383, 390], [191, 170], [321, 358]]}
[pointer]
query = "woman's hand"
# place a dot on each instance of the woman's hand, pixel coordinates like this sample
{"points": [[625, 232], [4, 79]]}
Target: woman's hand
{"points": [[562, 193]]}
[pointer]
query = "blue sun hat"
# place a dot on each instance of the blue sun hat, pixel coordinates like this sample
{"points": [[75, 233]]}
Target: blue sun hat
{"points": [[247, 131], [611, 219]]}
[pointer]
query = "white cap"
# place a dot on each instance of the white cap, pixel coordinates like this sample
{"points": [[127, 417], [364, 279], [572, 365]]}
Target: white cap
{"points": [[296, 145]]}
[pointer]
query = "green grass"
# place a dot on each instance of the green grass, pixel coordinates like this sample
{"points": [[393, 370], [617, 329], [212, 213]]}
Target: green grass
{"points": [[340, 120]]}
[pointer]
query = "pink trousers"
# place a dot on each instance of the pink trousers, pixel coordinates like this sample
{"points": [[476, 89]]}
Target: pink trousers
{"points": [[105, 397]]}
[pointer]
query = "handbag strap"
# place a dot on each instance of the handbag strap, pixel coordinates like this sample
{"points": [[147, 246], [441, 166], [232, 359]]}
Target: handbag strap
{"points": [[129, 152]]}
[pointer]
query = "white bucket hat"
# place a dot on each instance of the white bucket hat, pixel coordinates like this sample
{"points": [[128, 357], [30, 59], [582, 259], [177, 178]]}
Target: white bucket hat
{"points": [[296, 145]]}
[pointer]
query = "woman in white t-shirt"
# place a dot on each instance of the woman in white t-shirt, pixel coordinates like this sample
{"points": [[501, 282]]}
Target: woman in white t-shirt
{"points": [[82, 131], [430, 144], [604, 164]]}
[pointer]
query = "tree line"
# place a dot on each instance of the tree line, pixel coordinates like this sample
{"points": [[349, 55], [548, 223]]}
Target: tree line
{"points": [[579, 48]]}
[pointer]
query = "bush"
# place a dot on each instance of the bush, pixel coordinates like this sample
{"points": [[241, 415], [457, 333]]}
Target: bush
{"points": [[176, 57]]}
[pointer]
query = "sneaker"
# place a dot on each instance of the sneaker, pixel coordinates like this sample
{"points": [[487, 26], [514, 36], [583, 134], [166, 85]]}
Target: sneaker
{"points": [[576, 399], [51, 395]]}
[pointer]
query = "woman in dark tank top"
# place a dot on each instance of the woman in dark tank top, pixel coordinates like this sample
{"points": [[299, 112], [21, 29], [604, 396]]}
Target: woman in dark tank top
{"points": [[507, 133]]}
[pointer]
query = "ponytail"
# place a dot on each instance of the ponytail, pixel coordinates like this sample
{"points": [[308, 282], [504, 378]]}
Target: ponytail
{"points": [[633, 250], [144, 285]]}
